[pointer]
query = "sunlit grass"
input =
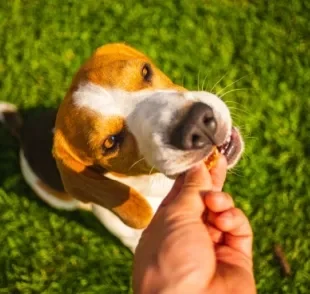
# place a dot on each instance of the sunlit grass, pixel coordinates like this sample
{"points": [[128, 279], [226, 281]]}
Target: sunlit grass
{"points": [[253, 53]]}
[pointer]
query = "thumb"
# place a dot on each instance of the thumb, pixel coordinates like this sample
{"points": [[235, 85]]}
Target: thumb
{"points": [[197, 181]]}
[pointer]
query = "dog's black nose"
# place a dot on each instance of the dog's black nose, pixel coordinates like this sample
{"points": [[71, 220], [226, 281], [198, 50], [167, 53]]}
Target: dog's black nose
{"points": [[196, 130]]}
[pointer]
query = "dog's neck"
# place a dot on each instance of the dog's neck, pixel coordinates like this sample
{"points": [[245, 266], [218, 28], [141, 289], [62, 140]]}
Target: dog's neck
{"points": [[153, 187]]}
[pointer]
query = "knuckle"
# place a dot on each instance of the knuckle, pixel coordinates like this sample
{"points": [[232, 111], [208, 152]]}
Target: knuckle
{"points": [[227, 198]]}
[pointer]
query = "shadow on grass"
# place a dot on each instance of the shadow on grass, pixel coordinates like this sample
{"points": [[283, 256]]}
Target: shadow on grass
{"points": [[11, 179]]}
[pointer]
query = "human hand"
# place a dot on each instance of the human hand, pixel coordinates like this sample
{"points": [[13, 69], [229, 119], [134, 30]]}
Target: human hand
{"points": [[197, 242]]}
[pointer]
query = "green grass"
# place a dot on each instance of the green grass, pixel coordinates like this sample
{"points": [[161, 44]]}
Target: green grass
{"points": [[262, 46]]}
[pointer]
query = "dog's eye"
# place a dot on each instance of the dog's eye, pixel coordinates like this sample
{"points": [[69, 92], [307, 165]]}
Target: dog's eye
{"points": [[112, 142], [147, 72]]}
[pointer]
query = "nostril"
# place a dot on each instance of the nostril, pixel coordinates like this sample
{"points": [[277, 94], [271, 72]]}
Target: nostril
{"points": [[197, 141], [195, 138], [209, 122]]}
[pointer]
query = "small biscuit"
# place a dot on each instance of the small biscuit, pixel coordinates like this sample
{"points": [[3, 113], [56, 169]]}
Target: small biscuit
{"points": [[213, 158]]}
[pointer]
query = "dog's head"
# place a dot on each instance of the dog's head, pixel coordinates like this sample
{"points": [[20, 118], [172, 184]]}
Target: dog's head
{"points": [[122, 115]]}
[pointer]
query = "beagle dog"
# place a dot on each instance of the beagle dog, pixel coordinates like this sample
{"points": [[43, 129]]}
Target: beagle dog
{"points": [[120, 137]]}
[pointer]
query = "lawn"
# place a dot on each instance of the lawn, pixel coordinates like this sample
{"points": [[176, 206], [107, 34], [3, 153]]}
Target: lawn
{"points": [[254, 53]]}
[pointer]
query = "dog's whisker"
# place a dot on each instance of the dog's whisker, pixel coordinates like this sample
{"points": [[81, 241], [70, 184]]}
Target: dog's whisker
{"points": [[198, 81], [245, 133], [234, 101], [236, 105], [238, 117], [241, 127], [203, 83], [219, 81], [237, 113], [250, 137], [239, 109], [233, 172], [149, 188], [151, 170], [237, 169], [234, 90], [241, 114], [135, 163], [244, 129], [218, 93], [245, 155]]}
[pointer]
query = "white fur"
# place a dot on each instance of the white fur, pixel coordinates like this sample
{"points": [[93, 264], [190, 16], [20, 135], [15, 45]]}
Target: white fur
{"points": [[91, 96], [128, 236], [32, 180], [149, 122], [110, 102], [149, 114], [154, 188], [151, 186]]}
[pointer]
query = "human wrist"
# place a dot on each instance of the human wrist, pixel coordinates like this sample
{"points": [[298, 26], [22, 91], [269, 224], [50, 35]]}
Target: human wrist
{"points": [[155, 282]]}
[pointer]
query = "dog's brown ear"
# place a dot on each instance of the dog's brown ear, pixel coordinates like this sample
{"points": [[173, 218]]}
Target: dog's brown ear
{"points": [[87, 185]]}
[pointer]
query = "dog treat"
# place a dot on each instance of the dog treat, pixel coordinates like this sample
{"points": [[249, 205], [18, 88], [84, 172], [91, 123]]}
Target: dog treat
{"points": [[212, 159]]}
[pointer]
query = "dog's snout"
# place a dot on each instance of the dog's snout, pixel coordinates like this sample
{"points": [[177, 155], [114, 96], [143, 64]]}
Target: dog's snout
{"points": [[196, 130]]}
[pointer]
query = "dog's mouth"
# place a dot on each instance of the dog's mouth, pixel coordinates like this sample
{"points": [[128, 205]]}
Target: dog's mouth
{"points": [[231, 148]]}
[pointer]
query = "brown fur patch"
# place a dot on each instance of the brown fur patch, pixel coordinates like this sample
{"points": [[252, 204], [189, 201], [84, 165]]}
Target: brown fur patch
{"points": [[88, 186]]}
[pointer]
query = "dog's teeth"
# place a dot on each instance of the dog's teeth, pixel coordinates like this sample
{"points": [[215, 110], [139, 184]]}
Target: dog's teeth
{"points": [[224, 147], [227, 141]]}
